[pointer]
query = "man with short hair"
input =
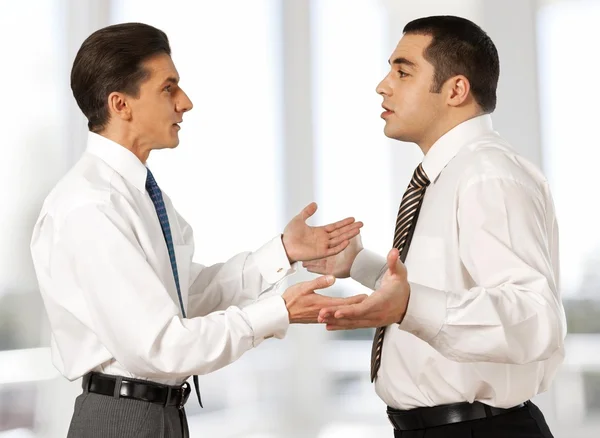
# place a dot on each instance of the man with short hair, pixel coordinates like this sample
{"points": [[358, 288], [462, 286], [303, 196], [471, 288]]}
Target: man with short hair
{"points": [[129, 310], [472, 327]]}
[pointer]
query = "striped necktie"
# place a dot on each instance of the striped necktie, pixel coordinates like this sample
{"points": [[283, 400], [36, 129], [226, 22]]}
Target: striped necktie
{"points": [[405, 225]]}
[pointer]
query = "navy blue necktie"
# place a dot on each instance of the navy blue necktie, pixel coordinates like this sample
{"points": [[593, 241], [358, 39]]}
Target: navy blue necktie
{"points": [[161, 211]]}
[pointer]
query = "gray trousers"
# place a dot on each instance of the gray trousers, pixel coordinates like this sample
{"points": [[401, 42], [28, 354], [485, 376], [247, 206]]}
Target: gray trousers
{"points": [[101, 416]]}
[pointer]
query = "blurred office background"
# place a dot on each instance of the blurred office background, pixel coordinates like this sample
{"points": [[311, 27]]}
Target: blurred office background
{"points": [[286, 113]]}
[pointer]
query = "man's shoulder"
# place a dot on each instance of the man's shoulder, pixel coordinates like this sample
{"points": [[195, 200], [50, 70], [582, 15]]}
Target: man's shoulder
{"points": [[493, 158], [87, 183]]}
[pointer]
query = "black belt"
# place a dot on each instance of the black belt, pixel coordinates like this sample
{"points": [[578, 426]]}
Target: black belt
{"points": [[137, 389], [423, 418]]}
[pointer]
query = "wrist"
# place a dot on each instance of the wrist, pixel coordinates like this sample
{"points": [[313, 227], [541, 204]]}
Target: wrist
{"points": [[287, 253], [285, 299], [406, 301], [355, 256]]}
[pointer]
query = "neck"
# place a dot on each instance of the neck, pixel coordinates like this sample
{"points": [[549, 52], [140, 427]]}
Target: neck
{"points": [[443, 126], [129, 141]]}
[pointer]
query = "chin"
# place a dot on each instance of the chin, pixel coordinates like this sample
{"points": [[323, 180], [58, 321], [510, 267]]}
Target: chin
{"points": [[393, 132], [172, 143]]}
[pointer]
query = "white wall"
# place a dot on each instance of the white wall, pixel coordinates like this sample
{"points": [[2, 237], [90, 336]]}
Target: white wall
{"points": [[285, 113]]}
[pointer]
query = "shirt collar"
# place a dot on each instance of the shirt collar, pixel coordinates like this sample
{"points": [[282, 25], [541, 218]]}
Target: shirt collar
{"points": [[449, 144], [119, 158]]}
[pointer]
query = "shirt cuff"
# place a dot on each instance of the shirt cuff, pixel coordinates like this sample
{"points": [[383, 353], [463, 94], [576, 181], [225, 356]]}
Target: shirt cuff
{"points": [[268, 318], [272, 261], [426, 312], [368, 268]]}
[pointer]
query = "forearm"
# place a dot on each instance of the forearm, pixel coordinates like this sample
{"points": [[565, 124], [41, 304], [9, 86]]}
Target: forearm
{"points": [[507, 324], [240, 281], [167, 344], [368, 269]]}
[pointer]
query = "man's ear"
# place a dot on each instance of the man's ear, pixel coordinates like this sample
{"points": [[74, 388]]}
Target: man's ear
{"points": [[119, 106], [457, 90]]}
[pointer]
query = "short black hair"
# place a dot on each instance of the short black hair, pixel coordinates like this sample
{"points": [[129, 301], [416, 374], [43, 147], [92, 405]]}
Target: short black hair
{"points": [[111, 60], [460, 47]]}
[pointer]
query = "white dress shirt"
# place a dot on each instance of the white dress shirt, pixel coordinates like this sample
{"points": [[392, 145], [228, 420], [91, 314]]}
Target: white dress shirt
{"points": [[106, 280], [485, 320]]}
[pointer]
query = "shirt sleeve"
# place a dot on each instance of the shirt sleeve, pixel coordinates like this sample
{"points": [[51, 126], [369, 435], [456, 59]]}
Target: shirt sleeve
{"points": [[368, 269], [131, 312], [244, 279], [514, 314]]}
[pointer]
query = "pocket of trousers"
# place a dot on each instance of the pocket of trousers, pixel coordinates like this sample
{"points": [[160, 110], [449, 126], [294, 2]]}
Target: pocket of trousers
{"points": [[79, 403]]}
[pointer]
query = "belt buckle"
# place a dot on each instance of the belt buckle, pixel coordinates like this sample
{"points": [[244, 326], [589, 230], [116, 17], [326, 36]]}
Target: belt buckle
{"points": [[186, 393]]}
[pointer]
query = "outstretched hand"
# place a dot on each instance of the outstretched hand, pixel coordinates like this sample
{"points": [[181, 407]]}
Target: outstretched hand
{"points": [[304, 304], [303, 242], [385, 306], [338, 265]]}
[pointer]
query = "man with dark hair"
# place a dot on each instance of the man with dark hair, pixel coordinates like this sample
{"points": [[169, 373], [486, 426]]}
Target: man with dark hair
{"points": [[128, 309], [471, 327]]}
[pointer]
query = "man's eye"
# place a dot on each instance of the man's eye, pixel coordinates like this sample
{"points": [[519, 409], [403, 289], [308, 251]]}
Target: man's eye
{"points": [[167, 88], [402, 74]]}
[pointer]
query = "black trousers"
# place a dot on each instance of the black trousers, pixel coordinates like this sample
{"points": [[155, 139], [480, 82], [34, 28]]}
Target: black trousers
{"points": [[527, 422]]}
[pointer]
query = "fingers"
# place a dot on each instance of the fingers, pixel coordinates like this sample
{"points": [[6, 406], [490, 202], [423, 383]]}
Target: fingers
{"points": [[308, 211], [349, 324], [327, 313], [356, 315], [337, 249], [392, 261], [315, 266], [355, 299], [363, 310], [347, 311], [339, 224], [354, 311], [318, 283], [348, 234], [338, 302], [343, 229]]}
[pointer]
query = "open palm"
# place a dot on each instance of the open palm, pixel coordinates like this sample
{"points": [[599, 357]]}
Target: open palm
{"points": [[387, 305], [303, 242], [338, 265]]}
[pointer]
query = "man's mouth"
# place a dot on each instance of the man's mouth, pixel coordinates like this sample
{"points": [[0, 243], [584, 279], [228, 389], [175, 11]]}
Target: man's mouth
{"points": [[386, 113]]}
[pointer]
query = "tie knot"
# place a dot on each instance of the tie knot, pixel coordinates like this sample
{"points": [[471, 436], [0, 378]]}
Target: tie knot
{"points": [[419, 178], [150, 181]]}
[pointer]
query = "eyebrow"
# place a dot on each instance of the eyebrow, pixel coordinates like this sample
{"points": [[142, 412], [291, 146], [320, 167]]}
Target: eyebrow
{"points": [[403, 61], [172, 80]]}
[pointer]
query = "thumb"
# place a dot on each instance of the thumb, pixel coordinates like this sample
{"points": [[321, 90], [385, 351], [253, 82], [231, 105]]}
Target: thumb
{"points": [[321, 282], [308, 211], [392, 261]]}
